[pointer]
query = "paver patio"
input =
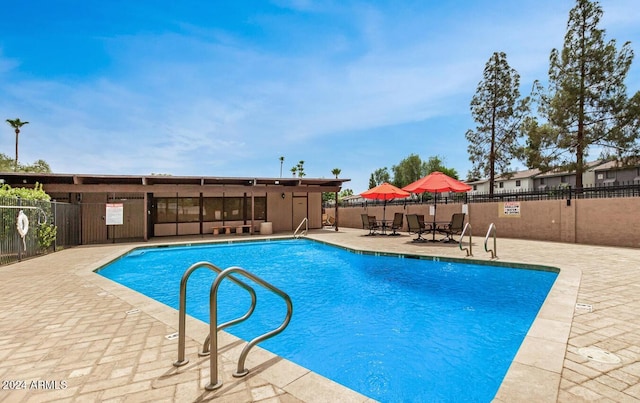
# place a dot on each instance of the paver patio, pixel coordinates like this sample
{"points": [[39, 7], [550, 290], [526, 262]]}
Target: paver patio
{"points": [[71, 335]]}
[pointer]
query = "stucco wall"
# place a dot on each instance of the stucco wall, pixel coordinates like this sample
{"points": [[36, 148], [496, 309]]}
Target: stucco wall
{"points": [[287, 213], [612, 221], [608, 221]]}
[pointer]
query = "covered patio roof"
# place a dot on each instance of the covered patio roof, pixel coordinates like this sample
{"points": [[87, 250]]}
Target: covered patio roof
{"points": [[144, 183]]}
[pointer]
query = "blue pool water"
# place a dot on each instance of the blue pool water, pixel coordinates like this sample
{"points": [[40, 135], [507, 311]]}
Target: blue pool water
{"points": [[391, 328]]}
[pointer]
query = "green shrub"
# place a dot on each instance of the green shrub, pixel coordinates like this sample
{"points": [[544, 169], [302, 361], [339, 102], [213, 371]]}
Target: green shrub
{"points": [[35, 197], [46, 235]]}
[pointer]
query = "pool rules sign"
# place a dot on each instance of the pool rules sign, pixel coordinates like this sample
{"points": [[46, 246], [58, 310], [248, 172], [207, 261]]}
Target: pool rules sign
{"points": [[509, 210], [115, 213]]}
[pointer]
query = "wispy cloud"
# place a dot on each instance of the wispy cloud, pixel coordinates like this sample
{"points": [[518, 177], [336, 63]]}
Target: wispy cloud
{"points": [[328, 83]]}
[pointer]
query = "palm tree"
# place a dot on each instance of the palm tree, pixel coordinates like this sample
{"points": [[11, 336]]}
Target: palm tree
{"points": [[281, 162], [16, 124], [336, 172], [301, 169]]}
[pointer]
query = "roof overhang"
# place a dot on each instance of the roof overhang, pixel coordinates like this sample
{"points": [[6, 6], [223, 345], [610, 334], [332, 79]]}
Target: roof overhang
{"points": [[79, 182]]}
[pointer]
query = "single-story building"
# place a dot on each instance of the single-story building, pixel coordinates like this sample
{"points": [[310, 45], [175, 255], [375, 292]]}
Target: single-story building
{"points": [[162, 205]]}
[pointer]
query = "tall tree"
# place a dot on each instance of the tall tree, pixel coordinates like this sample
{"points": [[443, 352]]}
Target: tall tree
{"points": [[39, 166], [281, 162], [300, 168], [379, 176], [498, 111], [7, 164], [586, 105], [435, 163], [408, 170], [16, 124], [336, 172]]}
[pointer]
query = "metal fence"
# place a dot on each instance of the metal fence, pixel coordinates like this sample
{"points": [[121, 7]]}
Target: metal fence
{"points": [[625, 189], [622, 189], [45, 227]]}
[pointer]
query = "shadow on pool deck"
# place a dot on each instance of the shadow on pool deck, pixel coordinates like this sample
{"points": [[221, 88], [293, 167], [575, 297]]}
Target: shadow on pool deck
{"points": [[82, 335]]}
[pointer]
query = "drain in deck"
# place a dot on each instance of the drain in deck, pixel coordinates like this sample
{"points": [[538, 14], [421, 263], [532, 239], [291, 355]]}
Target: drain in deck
{"points": [[599, 355]]}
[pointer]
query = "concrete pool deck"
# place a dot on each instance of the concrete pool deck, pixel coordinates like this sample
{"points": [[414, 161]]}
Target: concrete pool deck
{"points": [[71, 335]]}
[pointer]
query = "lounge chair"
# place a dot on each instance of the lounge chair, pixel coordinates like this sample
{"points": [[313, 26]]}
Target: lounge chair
{"points": [[370, 223], [415, 227], [328, 221], [454, 227], [397, 223]]}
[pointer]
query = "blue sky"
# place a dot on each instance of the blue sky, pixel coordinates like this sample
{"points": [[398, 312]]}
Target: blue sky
{"points": [[224, 88]]}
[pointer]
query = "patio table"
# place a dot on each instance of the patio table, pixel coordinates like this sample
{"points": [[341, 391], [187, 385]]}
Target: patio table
{"points": [[433, 227], [384, 224]]}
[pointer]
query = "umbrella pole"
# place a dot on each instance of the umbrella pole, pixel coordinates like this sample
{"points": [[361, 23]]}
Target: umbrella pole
{"points": [[384, 210], [435, 206]]}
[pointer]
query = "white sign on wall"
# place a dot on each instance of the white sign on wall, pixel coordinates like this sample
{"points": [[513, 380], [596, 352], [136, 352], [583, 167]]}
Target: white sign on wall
{"points": [[509, 209], [115, 213]]}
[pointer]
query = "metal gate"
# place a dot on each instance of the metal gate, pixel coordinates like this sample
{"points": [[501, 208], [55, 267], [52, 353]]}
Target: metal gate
{"points": [[45, 227], [94, 225]]}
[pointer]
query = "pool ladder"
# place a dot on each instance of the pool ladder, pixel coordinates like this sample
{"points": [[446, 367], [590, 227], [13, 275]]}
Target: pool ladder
{"points": [[469, 250], [494, 251], [303, 231], [211, 342]]}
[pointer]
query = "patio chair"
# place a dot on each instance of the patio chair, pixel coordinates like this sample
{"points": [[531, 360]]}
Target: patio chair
{"points": [[397, 223], [370, 223], [328, 221], [454, 227], [415, 227]]}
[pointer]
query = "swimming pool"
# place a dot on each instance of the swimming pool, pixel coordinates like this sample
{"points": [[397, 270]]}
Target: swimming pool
{"points": [[391, 328]]}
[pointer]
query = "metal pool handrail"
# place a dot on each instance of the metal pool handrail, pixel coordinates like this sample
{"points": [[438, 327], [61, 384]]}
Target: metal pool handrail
{"points": [[494, 251], [213, 330], [469, 249], [306, 228], [41, 212], [182, 312]]}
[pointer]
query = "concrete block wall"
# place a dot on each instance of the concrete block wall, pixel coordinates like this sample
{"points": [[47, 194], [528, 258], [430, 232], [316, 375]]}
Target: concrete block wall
{"points": [[611, 221]]}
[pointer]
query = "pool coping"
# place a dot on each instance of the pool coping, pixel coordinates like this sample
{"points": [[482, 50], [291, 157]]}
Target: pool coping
{"points": [[535, 371], [292, 378]]}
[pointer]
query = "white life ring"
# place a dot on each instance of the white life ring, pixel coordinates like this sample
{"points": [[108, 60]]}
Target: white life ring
{"points": [[22, 224]]}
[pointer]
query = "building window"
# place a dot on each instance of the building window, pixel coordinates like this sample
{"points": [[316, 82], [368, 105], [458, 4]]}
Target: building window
{"points": [[212, 208], [182, 209], [187, 209], [542, 181], [475, 187], [260, 208], [233, 208], [166, 210], [517, 182], [501, 185], [610, 174]]}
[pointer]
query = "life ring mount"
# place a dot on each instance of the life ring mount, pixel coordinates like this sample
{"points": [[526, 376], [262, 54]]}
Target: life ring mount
{"points": [[22, 224]]}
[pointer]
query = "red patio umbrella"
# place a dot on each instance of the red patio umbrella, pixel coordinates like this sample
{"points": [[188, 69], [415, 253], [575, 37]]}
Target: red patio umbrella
{"points": [[436, 182], [385, 191]]}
